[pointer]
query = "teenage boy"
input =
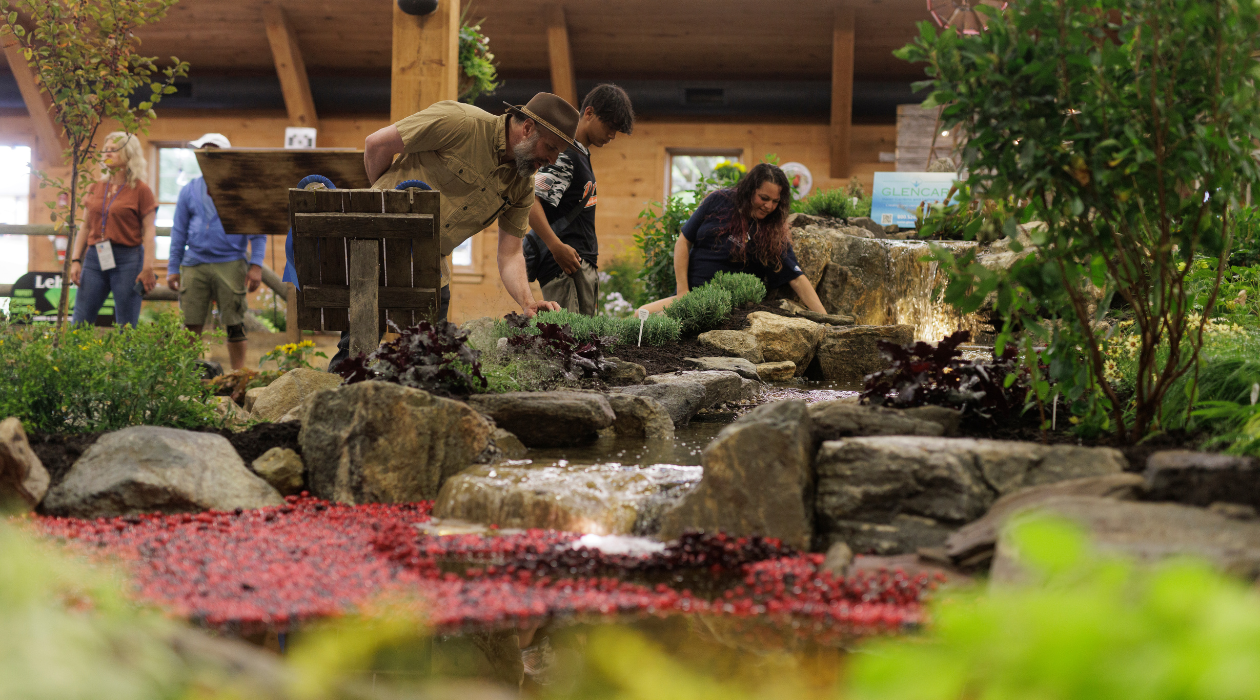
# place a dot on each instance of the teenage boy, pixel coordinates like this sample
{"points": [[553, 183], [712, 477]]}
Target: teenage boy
{"points": [[563, 215]]}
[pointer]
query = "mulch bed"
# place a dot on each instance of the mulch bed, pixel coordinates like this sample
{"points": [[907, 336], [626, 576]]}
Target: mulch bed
{"points": [[669, 358]]}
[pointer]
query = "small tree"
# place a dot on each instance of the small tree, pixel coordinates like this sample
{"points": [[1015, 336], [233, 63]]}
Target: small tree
{"points": [[1126, 126], [83, 55]]}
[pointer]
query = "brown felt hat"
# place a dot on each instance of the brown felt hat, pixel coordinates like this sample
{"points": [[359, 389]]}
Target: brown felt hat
{"points": [[552, 113]]}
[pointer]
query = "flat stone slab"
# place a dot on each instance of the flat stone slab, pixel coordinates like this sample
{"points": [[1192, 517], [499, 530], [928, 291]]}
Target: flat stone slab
{"points": [[1202, 478], [548, 418], [681, 399], [719, 386], [738, 365]]}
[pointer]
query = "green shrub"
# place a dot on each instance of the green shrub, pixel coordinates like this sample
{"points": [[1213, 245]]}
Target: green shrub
{"points": [[838, 203], [701, 309], [744, 288], [657, 330], [94, 381], [1219, 380], [1091, 627]]}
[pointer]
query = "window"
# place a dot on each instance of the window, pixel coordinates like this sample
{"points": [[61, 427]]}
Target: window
{"points": [[686, 168], [462, 256], [15, 192], [176, 167]]}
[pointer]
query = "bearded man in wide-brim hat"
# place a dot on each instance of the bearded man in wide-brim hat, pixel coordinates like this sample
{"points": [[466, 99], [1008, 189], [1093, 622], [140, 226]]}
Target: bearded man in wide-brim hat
{"points": [[483, 166]]}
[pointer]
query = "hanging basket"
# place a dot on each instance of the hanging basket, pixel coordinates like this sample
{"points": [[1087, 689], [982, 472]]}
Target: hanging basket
{"points": [[961, 15]]}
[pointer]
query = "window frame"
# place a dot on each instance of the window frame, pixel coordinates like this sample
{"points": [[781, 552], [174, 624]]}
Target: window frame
{"points": [[155, 172], [735, 154]]}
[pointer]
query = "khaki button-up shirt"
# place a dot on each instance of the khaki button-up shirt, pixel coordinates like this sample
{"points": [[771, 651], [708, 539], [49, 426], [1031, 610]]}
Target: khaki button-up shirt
{"points": [[456, 148]]}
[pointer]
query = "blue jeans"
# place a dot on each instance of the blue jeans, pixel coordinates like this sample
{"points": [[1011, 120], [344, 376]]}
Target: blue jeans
{"points": [[95, 284]]}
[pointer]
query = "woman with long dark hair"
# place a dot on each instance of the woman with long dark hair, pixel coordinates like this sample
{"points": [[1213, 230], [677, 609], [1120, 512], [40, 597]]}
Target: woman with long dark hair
{"points": [[742, 229]]}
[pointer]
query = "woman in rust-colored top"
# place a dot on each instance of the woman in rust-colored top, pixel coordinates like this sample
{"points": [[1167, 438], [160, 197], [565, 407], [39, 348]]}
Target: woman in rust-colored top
{"points": [[118, 236]]}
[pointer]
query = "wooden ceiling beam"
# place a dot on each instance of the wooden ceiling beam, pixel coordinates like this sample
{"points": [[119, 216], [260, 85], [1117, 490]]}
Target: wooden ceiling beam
{"points": [[425, 65], [50, 140], [563, 77], [841, 90], [290, 67]]}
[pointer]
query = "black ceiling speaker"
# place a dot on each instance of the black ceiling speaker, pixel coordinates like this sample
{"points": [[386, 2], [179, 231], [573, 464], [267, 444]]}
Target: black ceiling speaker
{"points": [[418, 7]]}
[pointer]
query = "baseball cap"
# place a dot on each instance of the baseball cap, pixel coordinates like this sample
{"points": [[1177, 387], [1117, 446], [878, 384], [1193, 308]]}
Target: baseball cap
{"points": [[217, 139]]}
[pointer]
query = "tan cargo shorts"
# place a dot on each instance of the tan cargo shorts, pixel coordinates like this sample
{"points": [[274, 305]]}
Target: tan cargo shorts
{"points": [[223, 283]]}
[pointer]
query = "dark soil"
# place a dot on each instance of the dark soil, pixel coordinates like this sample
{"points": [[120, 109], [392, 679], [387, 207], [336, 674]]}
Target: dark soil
{"points": [[58, 452], [250, 444], [669, 358]]}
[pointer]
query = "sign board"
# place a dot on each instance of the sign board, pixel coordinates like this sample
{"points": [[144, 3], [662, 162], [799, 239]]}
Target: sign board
{"points": [[37, 293], [896, 196], [299, 137]]}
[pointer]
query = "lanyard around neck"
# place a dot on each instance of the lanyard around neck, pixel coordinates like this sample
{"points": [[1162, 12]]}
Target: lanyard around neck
{"points": [[105, 212]]}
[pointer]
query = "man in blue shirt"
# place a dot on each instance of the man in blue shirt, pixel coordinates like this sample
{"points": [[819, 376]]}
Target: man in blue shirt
{"points": [[207, 264]]}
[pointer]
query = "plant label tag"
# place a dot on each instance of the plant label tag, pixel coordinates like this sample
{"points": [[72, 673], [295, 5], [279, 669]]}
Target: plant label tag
{"points": [[105, 253], [643, 314]]}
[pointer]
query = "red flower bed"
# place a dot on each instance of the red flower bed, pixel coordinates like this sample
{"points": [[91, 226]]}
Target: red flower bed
{"points": [[274, 567]]}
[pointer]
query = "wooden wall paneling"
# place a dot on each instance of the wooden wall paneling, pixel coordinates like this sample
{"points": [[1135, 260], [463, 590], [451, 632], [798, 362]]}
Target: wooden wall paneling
{"points": [[841, 90], [560, 56], [50, 140], [306, 262], [290, 67], [332, 259], [425, 66], [917, 129]]}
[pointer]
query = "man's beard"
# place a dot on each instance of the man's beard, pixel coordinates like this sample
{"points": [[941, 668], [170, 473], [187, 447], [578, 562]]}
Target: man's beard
{"points": [[523, 152]]}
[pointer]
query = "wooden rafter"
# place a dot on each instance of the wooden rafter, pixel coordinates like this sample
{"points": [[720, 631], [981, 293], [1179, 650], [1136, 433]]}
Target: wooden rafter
{"points": [[290, 67], [841, 90], [51, 142], [563, 80], [425, 65]]}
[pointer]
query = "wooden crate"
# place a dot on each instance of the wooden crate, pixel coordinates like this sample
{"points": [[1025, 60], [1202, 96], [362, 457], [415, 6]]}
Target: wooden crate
{"points": [[401, 226]]}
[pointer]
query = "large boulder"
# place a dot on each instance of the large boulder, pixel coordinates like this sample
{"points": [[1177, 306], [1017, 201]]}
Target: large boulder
{"points": [[757, 480], [548, 418], [847, 355], [288, 392], [641, 416], [23, 479], [1148, 532], [840, 419], [147, 469], [733, 343], [376, 442], [813, 245], [894, 494], [1202, 478], [738, 365], [719, 386], [785, 339], [682, 399], [595, 499]]}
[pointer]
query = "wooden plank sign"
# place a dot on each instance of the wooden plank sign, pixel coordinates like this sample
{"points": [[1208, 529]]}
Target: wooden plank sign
{"points": [[364, 257], [249, 186]]}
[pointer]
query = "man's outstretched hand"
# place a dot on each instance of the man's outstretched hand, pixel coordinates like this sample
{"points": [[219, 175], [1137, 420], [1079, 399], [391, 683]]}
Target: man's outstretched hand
{"points": [[532, 308]]}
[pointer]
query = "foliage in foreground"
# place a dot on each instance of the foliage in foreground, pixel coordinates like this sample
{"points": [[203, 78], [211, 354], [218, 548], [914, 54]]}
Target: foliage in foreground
{"points": [[922, 374], [433, 357], [1126, 126], [86, 380], [578, 356], [1089, 627], [744, 288]]}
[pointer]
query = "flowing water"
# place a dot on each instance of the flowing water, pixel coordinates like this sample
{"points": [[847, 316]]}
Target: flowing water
{"points": [[916, 294]]}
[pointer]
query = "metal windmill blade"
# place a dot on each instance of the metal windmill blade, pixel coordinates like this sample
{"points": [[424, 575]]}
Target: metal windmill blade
{"points": [[961, 14]]}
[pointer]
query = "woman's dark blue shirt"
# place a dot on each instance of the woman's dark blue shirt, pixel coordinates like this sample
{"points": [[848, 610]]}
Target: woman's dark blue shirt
{"points": [[710, 253]]}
